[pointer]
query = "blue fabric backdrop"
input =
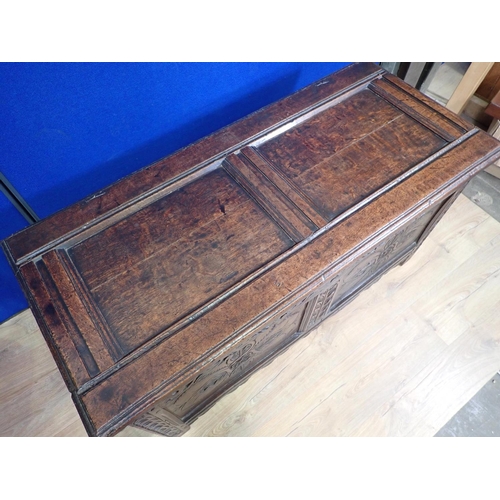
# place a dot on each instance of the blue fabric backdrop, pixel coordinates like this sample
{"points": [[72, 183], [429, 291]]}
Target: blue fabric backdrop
{"points": [[11, 297], [69, 129]]}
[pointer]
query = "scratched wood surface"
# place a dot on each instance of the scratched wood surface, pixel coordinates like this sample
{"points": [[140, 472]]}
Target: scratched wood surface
{"points": [[188, 268], [398, 361]]}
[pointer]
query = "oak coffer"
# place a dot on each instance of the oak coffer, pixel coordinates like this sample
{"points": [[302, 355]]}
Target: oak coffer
{"points": [[164, 291]]}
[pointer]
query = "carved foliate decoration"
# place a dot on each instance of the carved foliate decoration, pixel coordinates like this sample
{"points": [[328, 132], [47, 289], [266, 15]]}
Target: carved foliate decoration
{"points": [[234, 364]]}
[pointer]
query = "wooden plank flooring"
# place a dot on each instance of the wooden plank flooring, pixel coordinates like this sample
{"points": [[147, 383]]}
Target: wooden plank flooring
{"points": [[400, 360]]}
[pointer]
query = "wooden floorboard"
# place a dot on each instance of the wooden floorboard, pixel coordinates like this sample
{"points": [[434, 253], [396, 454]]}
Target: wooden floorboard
{"points": [[400, 360]]}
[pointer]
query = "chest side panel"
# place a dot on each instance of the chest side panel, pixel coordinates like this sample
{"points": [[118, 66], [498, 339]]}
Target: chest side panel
{"points": [[384, 254], [161, 263]]}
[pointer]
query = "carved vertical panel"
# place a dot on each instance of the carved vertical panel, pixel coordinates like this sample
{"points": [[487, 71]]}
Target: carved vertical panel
{"points": [[318, 308]]}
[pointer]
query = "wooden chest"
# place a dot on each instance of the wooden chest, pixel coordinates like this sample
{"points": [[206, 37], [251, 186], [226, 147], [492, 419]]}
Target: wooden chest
{"points": [[164, 291]]}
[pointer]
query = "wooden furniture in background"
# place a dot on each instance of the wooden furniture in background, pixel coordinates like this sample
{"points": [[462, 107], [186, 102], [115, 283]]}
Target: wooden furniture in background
{"points": [[493, 108], [490, 86], [494, 130], [468, 85], [165, 291]]}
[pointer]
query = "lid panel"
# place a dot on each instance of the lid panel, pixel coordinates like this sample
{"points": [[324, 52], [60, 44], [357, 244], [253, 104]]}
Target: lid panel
{"points": [[163, 262], [347, 152]]}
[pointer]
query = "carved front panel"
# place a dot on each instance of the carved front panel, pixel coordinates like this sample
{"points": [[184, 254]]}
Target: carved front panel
{"points": [[231, 366]]}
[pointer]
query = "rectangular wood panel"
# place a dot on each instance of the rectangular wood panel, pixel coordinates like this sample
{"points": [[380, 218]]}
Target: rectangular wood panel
{"points": [[337, 163], [165, 272]]}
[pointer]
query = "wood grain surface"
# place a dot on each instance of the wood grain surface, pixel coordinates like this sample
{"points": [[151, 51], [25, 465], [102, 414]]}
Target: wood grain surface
{"points": [[398, 361]]}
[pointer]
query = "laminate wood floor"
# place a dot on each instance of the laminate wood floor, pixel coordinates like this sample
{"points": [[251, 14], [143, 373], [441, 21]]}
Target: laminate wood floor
{"points": [[400, 360]]}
